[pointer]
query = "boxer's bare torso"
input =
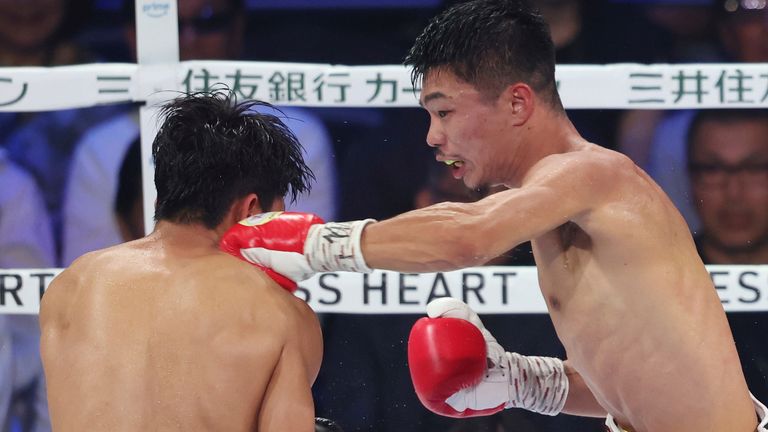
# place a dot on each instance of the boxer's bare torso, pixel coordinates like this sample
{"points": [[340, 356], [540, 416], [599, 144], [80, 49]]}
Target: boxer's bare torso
{"points": [[167, 333], [630, 298], [637, 311]]}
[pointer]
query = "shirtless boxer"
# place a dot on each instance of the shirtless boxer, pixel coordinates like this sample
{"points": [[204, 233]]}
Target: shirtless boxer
{"points": [[169, 333], [647, 340]]}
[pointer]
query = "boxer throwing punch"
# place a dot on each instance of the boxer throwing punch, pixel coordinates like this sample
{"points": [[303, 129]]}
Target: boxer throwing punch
{"points": [[647, 340]]}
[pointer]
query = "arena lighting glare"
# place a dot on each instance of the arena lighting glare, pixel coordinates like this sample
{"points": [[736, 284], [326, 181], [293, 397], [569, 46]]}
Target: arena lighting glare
{"points": [[735, 5]]}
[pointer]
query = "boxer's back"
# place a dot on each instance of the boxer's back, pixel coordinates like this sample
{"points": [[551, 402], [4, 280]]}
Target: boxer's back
{"points": [[146, 337]]}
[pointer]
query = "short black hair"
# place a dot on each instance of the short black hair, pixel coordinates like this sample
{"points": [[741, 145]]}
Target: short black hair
{"points": [[720, 115], [489, 44], [211, 150]]}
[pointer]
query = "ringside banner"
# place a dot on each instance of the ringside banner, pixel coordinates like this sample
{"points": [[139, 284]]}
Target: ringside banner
{"points": [[612, 86], [512, 290]]}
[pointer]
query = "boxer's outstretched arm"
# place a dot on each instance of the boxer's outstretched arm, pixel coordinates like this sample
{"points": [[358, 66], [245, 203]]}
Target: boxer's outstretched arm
{"points": [[287, 404], [580, 400], [449, 236], [442, 237]]}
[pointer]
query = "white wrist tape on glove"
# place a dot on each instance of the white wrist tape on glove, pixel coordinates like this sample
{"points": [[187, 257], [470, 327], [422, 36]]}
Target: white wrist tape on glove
{"points": [[335, 246], [537, 384]]}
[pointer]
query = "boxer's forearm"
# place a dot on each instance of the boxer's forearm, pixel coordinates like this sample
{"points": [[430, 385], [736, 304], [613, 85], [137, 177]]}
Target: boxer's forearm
{"points": [[443, 238], [580, 401]]}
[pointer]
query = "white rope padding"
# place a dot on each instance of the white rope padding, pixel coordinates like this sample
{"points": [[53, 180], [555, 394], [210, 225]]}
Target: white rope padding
{"points": [[511, 290], [613, 86]]}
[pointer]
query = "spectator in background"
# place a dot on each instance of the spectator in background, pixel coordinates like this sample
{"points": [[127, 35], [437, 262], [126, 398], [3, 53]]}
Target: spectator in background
{"points": [[686, 29], [743, 31], [728, 169], [685, 35], [25, 232], [38, 33], [655, 140], [211, 30], [33, 33], [208, 29], [88, 217], [25, 242], [595, 32]]}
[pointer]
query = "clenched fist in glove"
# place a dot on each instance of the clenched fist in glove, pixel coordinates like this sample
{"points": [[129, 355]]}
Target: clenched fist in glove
{"points": [[459, 370], [291, 247]]}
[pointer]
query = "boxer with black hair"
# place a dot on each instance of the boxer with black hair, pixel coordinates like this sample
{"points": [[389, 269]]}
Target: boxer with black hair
{"points": [[168, 332]]}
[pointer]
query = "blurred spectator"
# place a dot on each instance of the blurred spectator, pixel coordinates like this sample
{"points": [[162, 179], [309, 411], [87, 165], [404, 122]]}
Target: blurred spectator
{"points": [[743, 30], [686, 27], [25, 233], [25, 242], [595, 32], [89, 221], [209, 29], [35, 33], [685, 35], [728, 168], [384, 163], [655, 140], [44, 146]]}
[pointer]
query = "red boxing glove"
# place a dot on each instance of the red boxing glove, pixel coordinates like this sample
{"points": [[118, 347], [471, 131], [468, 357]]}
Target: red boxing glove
{"points": [[274, 242], [446, 355], [460, 370]]}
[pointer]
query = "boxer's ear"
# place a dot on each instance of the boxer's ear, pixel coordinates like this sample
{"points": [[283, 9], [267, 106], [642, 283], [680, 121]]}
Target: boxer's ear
{"points": [[252, 205], [519, 100], [244, 207]]}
